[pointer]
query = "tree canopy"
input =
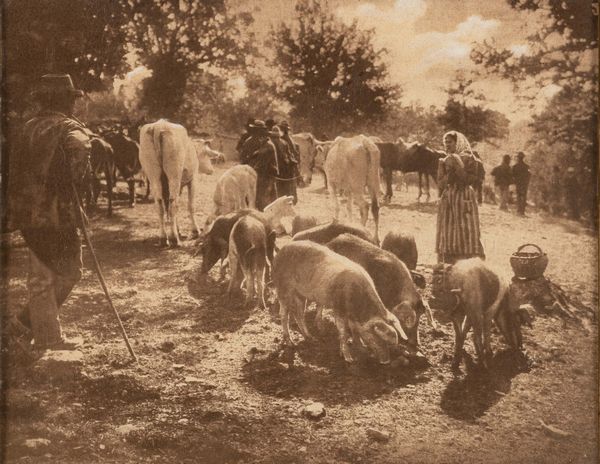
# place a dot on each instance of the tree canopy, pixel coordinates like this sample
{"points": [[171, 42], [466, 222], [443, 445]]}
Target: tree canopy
{"points": [[465, 112], [84, 38], [176, 38], [331, 72]]}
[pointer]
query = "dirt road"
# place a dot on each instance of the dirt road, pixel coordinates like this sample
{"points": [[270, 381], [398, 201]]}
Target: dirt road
{"points": [[211, 387]]}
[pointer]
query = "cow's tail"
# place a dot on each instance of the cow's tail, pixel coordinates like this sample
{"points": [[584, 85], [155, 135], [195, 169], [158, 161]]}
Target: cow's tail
{"points": [[158, 138], [373, 184]]}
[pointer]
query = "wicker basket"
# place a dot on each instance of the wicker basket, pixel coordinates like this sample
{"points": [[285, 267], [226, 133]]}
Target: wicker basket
{"points": [[529, 264]]}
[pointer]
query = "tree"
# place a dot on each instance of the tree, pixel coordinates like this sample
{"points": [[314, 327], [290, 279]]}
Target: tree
{"points": [[84, 38], [564, 53], [331, 73], [177, 38], [464, 112]]}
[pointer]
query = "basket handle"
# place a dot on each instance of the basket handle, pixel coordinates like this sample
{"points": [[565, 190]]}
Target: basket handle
{"points": [[530, 244]]}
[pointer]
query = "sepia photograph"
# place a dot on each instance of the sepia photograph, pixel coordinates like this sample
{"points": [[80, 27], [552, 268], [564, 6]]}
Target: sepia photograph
{"points": [[299, 231]]}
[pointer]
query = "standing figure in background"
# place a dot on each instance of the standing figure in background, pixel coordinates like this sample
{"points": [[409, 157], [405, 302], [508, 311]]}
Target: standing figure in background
{"points": [[521, 176], [572, 191], [246, 135], [294, 153], [502, 175], [286, 183], [257, 136], [54, 160], [480, 177], [264, 161], [458, 234]]}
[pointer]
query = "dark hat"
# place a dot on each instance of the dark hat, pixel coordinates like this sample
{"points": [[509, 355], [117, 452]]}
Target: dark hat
{"points": [[258, 124], [520, 155], [284, 125], [270, 123], [57, 84], [506, 158]]}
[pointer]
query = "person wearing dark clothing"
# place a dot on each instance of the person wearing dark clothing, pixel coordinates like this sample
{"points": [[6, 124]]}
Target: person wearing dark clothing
{"points": [[502, 175], [572, 191], [478, 186], [258, 136], [286, 183], [53, 161], [270, 123], [521, 176], [246, 135]]}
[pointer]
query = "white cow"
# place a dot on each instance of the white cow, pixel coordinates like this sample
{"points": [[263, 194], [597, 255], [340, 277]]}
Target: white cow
{"points": [[170, 160], [235, 190], [312, 154], [351, 165]]}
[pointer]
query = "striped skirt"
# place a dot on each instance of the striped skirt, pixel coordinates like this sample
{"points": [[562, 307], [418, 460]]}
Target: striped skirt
{"points": [[458, 234]]}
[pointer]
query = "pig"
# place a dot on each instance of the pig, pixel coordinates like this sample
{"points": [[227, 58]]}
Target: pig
{"points": [[403, 245], [392, 281], [481, 297], [248, 256], [326, 232], [302, 222], [304, 270]]}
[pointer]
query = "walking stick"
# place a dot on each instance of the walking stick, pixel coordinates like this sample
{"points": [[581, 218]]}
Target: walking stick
{"points": [[99, 272]]}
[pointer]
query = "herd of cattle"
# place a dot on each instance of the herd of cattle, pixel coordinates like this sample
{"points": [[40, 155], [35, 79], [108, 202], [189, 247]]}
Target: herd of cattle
{"points": [[372, 290]]}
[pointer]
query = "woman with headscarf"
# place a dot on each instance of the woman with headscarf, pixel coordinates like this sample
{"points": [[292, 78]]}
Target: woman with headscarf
{"points": [[458, 234]]}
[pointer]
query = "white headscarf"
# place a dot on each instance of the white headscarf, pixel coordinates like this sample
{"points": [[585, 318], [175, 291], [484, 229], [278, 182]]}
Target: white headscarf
{"points": [[462, 144]]}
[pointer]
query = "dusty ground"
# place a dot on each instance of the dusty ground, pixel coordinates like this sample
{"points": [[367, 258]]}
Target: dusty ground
{"points": [[211, 387]]}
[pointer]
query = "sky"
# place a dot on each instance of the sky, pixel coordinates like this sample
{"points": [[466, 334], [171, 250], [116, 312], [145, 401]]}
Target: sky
{"points": [[428, 41]]}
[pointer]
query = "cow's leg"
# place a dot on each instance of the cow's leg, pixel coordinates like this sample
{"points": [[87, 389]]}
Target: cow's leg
{"points": [[349, 204], [387, 175], [191, 188], [343, 334], [336, 204], [131, 187], [420, 186], [162, 209], [363, 206], [375, 211], [427, 187], [249, 274], [174, 239], [260, 284]]}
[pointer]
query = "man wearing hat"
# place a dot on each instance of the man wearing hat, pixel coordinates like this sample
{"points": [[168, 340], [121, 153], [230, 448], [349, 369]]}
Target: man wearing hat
{"points": [[258, 136], [286, 183], [53, 156], [295, 154], [521, 176]]}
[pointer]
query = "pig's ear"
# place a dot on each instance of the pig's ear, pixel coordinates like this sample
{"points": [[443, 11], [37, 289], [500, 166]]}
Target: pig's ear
{"points": [[428, 313], [396, 324]]}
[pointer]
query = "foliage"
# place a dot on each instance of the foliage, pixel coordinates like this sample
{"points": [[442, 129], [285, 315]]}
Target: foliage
{"points": [[84, 38], [214, 107], [564, 53], [331, 73], [465, 112], [178, 38]]}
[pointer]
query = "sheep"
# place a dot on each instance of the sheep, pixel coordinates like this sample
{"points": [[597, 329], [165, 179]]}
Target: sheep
{"points": [[305, 270]]}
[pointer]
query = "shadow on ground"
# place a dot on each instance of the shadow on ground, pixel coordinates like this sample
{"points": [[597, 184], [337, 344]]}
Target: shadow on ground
{"points": [[468, 397]]}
